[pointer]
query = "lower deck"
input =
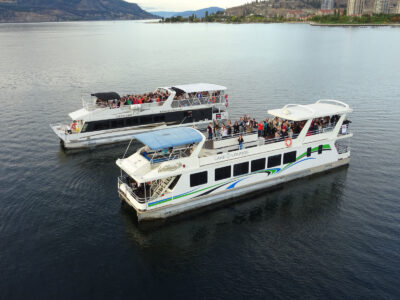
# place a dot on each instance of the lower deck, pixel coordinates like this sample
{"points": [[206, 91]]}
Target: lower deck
{"points": [[225, 195], [229, 175]]}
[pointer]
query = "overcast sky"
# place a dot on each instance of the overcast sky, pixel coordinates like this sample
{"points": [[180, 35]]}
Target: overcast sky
{"points": [[181, 5]]}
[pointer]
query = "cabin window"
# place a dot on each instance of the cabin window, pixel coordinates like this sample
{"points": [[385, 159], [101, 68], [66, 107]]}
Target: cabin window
{"points": [[117, 123], [188, 114], [146, 120], [274, 161], [240, 169], [289, 157], [202, 114], [319, 149], [198, 178], [132, 121], [159, 118], [308, 151], [101, 125], [222, 173], [257, 164], [84, 127]]}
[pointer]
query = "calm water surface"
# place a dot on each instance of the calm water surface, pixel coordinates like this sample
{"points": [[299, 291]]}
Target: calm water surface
{"points": [[63, 232]]}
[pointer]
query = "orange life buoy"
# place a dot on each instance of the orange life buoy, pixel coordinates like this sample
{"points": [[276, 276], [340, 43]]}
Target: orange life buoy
{"points": [[213, 99], [288, 142]]}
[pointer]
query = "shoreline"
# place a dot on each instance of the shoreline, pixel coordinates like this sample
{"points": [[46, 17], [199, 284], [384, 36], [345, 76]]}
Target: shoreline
{"points": [[354, 25]]}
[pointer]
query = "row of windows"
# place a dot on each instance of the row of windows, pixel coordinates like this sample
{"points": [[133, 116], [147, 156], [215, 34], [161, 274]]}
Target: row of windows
{"points": [[181, 116], [243, 168]]}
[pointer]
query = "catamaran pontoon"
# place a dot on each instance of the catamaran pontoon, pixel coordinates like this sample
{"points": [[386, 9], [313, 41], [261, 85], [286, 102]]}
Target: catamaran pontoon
{"points": [[108, 118], [179, 170]]}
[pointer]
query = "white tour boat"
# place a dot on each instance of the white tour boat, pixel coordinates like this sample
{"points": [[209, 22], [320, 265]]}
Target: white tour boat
{"points": [[180, 170], [108, 118]]}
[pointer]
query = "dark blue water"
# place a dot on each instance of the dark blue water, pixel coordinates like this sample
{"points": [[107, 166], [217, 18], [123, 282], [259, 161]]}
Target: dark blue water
{"points": [[64, 233]]}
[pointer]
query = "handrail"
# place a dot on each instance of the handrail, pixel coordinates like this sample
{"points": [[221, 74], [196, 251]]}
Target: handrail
{"points": [[191, 101], [333, 101]]}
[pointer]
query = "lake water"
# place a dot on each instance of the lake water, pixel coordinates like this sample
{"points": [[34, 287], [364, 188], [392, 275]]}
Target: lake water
{"points": [[64, 233]]}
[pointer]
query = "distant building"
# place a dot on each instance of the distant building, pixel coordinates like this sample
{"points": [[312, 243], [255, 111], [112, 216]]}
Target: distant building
{"points": [[327, 4], [325, 12], [382, 6], [355, 7], [398, 8]]}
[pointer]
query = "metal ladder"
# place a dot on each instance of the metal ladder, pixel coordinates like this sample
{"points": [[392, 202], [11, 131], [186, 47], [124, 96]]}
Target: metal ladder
{"points": [[163, 185]]}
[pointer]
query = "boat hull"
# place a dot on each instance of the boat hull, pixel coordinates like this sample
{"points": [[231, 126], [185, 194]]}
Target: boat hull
{"points": [[211, 199], [81, 141]]}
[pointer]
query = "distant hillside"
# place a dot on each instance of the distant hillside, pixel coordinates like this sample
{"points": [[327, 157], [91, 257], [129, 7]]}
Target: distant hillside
{"points": [[199, 13], [69, 10], [271, 8]]}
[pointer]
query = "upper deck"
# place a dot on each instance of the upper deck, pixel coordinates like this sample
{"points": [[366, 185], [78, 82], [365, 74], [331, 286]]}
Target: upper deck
{"points": [[179, 97]]}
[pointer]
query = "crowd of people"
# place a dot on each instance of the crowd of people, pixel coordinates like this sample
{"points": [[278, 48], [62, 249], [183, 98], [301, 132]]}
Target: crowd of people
{"points": [[269, 128], [156, 97], [199, 95]]}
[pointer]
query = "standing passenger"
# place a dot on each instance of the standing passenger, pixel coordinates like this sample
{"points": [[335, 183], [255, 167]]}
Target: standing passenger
{"points": [[240, 140], [210, 131], [260, 128]]}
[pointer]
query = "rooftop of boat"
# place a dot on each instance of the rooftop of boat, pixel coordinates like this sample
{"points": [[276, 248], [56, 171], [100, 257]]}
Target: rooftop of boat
{"points": [[297, 112]]}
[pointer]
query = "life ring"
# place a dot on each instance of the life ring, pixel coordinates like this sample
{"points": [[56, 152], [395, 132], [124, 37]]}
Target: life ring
{"points": [[73, 126], [213, 99], [288, 142]]}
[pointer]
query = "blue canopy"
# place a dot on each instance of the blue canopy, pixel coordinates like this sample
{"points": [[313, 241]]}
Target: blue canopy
{"points": [[171, 137]]}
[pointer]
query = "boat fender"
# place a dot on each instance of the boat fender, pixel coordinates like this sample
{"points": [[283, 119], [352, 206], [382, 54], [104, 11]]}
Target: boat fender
{"points": [[288, 142]]}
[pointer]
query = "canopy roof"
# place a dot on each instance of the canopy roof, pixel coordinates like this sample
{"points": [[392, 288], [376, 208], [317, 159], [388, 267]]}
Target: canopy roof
{"points": [[171, 137], [198, 87], [321, 108], [107, 96]]}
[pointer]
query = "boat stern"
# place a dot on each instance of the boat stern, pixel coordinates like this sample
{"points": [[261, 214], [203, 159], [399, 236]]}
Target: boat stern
{"points": [[60, 130]]}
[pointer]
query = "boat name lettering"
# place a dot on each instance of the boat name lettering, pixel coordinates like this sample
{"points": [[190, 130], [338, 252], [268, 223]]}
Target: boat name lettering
{"points": [[230, 155]]}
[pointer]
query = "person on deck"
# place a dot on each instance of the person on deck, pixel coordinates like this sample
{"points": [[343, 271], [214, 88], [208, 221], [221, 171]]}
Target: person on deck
{"points": [[236, 127], [260, 128], [240, 140], [210, 131]]}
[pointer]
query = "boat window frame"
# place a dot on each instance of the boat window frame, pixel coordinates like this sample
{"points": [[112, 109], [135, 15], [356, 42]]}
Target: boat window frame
{"points": [[200, 182], [272, 163], [241, 172], [224, 175], [289, 158], [255, 161]]}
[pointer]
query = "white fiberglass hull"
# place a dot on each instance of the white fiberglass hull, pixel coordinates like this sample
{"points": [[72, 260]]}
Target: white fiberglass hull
{"points": [[93, 139], [210, 199]]}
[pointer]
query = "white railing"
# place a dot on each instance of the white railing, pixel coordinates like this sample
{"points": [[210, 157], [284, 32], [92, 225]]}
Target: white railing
{"points": [[198, 101], [344, 129], [131, 191]]}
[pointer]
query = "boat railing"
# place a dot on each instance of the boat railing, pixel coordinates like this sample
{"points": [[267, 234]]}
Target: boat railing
{"points": [[344, 129], [134, 191], [219, 137], [280, 139], [193, 101], [155, 157], [140, 107]]}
